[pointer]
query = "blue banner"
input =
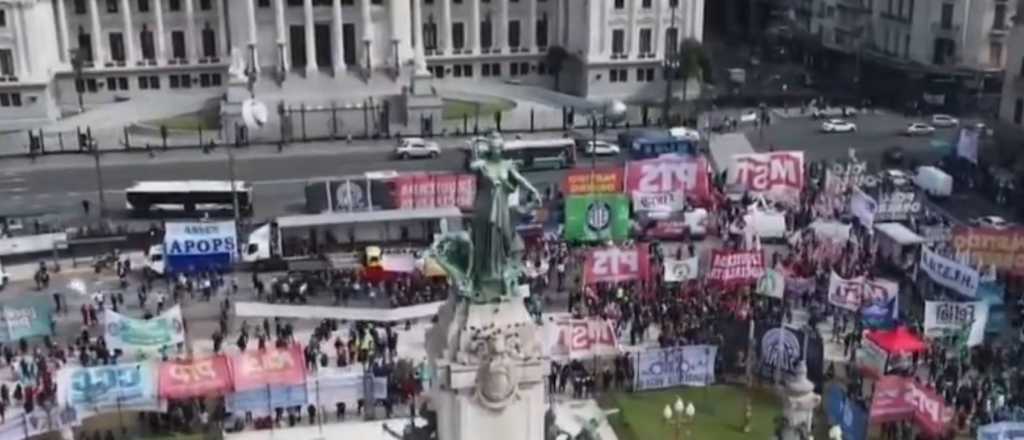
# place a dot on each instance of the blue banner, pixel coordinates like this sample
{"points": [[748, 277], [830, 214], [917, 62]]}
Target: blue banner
{"points": [[880, 314], [690, 365], [262, 400], [850, 416], [199, 246], [25, 317], [1002, 431], [109, 387]]}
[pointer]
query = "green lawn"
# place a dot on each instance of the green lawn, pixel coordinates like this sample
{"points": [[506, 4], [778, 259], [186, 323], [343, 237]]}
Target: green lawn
{"points": [[456, 108], [719, 414]]}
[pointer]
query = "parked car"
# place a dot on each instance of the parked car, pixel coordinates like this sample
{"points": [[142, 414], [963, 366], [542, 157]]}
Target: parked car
{"points": [[684, 133], [838, 126], [416, 148], [601, 148], [748, 117], [944, 121], [991, 221], [832, 112], [919, 129]]}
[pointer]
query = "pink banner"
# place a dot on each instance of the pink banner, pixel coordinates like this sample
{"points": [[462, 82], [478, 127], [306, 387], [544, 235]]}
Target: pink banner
{"points": [[778, 176], [581, 337], [446, 189], [254, 369], [433, 190], [736, 267], [656, 182], [196, 378], [898, 398], [614, 264], [425, 191]]}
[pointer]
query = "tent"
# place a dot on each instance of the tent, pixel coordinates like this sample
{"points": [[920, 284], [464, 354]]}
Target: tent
{"points": [[899, 341]]}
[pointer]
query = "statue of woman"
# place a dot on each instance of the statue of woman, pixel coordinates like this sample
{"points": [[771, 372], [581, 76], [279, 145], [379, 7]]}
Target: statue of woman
{"points": [[486, 266]]}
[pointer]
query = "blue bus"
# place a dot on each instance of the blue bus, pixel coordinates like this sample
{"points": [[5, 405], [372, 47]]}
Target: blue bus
{"points": [[648, 144]]}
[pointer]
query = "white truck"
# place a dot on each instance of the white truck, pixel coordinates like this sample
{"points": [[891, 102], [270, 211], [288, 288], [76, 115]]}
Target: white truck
{"points": [[933, 181]]}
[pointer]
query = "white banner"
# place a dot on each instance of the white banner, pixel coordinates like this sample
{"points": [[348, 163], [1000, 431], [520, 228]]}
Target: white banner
{"points": [[967, 144], [659, 202], [164, 331], [681, 270], [689, 365], [852, 294], [950, 273], [864, 208], [772, 283], [579, 338], [1002, 431], [778, 176], [942, 318]]}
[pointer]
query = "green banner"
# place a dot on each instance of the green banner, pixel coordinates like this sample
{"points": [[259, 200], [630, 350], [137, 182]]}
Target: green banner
{"points": [[599, 217], [25, 317]]}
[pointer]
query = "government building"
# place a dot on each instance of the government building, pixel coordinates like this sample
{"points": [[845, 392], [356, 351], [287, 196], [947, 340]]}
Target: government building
{"points": [[54, 53]]}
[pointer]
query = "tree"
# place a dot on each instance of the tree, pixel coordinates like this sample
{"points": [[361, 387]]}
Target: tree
{"points": [[555, 60], [691, 61]]}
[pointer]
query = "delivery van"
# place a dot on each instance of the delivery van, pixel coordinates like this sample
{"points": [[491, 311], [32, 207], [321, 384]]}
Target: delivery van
{"points": [[765, 221], [933, 181]]}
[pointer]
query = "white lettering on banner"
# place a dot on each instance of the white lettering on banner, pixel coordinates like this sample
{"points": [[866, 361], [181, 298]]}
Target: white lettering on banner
{"points": [[575, 338], [762, 172], [615, 261], [200, 238], [949, 273], [897, 206], [668, 201], [925, 404], [690, 365], [663, 177]]}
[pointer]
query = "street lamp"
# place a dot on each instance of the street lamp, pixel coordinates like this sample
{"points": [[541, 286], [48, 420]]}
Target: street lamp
{"points": [[679, 416], [613, 111], [835, 433]]}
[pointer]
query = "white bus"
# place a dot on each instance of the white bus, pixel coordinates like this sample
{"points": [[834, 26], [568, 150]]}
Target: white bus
{"points": [[532, 154], [189, 197]]}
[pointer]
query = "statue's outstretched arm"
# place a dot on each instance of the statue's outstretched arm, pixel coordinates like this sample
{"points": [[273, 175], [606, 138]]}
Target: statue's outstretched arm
{"points": [[521, 181]]}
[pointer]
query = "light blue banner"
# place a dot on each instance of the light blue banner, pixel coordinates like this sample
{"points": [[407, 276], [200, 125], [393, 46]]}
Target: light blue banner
{"points": [[22, 318], [850, 416], [263, 400], [109, 387], [1002, 431]]}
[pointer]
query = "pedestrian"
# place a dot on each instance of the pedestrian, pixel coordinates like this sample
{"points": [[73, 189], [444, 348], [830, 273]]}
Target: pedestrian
{"points": [[85, 207]]}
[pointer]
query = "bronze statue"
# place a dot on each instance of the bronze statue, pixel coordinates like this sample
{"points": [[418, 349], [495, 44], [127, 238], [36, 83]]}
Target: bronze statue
{"points": [[485, 265]]}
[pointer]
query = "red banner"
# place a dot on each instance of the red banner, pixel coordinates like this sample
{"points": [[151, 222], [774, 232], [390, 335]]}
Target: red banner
{"points": [[433, 191], [899, 398], [614, 264], [656, 181], [254, 369], [605, 181], [1003, 248], [196, 378], [737, 267]]}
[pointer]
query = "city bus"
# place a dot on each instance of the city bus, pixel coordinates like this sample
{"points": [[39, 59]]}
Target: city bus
{"points": [[189, 198], [533, 154], [649, 144]]}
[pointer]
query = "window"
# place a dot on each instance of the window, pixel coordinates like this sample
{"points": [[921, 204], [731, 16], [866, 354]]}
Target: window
{"points": [[485, 34], [116, 46], [205, 5], [485, 69], [995, 53], [186, 81], [458, 35], [3, 18], [5, 100], [430, 35], [178, 44], [1018, 110], [467, 70], [542, 31], [673, 3], [181, 81], [215, 79], [146, 42], [496, 69], [143, 5], [618, 41], [645, 74], [620, 4], [80, 7], [122, 82], [6, 62], [154, 82], [111, 83], [175, 83], [204, 80], [671, 40], [999, 17], [143, 82], [513, 33], [618, 75], [646, 4], [946, 17], [263, 3], [645, 41], [92, 85], [174, 5], [457, 70], [16, 99], [112, 6], [209, 42], [513, 69], [84, 45]]}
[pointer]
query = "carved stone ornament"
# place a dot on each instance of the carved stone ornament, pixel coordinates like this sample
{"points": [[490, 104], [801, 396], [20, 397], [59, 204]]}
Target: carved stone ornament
{"points": [[498, 351]]}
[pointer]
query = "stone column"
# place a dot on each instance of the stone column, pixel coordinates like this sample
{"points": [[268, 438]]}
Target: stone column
{"points": [[161, 42], [62, 27], [560, 23], [250, 12], [222, 31], [129, 33], [191, 47], [311, 66], [530, 30], [474, 26], [446, 27], [99, 55], [282, 37], [20, 43], [500, 32], [366, 22], [337, 21], [633, 32], [419, 56], [659, 29]]}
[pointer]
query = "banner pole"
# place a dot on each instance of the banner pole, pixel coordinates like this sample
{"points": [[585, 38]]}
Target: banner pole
{"points": [[270, 411]]}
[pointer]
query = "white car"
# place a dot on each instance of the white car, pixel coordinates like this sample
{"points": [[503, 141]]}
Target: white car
{"points": [[748, 117], [919, 128], [944, 121], [416, 147], [601, 148], [838, 126], [991, 221], [684, 133]]}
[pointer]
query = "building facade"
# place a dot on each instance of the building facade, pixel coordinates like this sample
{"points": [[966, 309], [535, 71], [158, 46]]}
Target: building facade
{"points": [[1011, 106], [54, 53]]}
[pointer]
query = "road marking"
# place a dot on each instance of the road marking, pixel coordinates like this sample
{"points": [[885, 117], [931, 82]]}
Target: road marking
{"points": [[12, 180], [13, 190], [16, 197], [44, 195]]}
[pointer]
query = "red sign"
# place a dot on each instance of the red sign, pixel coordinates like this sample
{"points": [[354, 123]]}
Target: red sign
{"points": [[434, 191], [199, 377], [582, 337], [254, 369], [605, 181], [668, 175], [614, 264], [738, 267], [779, 176], [898, 398]]}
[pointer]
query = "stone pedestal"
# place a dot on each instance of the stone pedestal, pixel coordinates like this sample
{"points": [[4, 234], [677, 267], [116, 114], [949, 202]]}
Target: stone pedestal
{"points": [[490, 368], [799, 403]]}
